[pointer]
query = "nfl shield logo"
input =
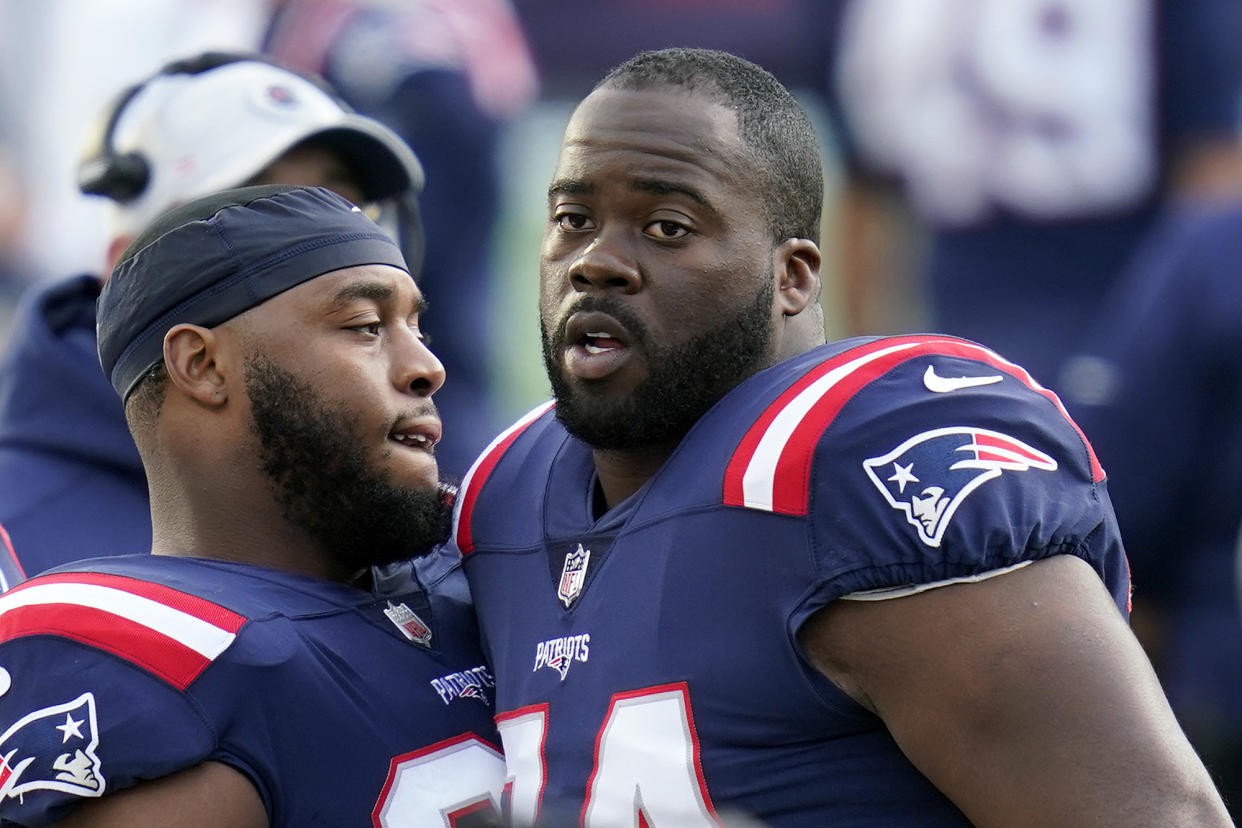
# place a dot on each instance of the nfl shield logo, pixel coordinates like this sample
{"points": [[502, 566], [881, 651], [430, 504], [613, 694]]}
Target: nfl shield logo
{"points": [[411, 626], [573, 574]]}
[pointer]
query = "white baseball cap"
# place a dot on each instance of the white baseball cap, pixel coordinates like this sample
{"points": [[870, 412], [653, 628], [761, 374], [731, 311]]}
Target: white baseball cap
{"points": [[212, 130]]}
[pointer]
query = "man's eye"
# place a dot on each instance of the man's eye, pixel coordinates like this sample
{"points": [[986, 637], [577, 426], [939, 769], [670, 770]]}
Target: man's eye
{"points": [[369, 328], [572, 221], [424, 338], [666, 229]]}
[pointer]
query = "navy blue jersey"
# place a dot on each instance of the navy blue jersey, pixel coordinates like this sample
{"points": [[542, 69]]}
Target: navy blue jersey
{"points": [[646, 662], [342, 706]]}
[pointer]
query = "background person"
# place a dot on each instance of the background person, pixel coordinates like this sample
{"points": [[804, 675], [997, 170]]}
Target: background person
{"points": [[1167, 421], [1004, 161]]}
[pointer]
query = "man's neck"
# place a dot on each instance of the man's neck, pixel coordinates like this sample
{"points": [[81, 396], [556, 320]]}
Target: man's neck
{"points": [[623, 472]]}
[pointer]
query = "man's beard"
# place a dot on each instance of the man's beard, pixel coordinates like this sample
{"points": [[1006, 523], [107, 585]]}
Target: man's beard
{"points": [[683, 381], [319, 473]]}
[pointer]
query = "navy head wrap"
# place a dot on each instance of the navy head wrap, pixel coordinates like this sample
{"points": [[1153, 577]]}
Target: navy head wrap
{"points": [[210, 259]]}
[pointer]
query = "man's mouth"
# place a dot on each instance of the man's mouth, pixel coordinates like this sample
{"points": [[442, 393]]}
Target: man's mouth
{"points": [[596, 345], [600, 342], [416, 435]]}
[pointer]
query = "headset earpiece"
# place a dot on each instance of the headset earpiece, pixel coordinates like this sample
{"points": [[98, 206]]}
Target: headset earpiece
{"points": [[119, 177]]}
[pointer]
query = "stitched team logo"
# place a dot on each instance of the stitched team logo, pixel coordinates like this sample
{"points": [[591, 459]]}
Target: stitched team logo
{"points": [[573, 575], [560, 653], [52, 749], [406, 620], [929, 475], [465, 684]]}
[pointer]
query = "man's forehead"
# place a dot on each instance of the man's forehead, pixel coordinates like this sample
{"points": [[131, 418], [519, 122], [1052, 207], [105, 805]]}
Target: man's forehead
{"points": [[666, 120], [337, 288]]}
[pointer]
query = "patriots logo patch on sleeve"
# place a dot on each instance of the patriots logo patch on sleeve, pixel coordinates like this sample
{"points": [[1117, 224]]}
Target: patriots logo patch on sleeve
{"points": [[53, 749], [929, 476]]}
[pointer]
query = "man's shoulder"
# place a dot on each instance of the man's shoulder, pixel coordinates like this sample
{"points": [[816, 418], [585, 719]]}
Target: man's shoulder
{"points": [[129, 612], [510, 473], [856, 402]]}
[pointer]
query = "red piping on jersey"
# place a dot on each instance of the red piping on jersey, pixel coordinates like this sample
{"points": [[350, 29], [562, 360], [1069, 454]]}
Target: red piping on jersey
{"points": [[162, 655], [482, 468], [791, 487]]}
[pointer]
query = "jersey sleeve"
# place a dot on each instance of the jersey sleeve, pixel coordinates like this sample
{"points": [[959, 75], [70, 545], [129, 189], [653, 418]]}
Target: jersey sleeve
{"points": [[93, 677], [920, 461]]}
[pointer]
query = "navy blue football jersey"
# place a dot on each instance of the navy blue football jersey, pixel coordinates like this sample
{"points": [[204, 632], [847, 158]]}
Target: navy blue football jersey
{"points": [[342, 706], [646, 661]]}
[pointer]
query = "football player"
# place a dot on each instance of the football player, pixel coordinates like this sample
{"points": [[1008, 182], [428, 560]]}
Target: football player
{"points": [[734, 569], [258, 669]]}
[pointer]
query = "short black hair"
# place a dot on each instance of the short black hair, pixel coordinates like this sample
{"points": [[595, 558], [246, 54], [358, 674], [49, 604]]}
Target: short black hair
{"points": [[772, 124]]}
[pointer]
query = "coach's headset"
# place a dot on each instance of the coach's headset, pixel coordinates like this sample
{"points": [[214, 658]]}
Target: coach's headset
{"points": [[124, 176]]}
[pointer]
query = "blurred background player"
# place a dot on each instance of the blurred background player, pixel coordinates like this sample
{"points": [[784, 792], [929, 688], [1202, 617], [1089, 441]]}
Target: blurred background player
{"points": [[448, 77], [1029, 146], [73, 481], [1166, 418]]}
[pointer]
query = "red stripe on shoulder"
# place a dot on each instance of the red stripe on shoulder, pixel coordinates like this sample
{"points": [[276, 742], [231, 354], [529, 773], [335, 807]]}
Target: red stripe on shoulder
{"points": [[172, 661], [185, 602], [169, 633], [474, 480], [745, 452]]}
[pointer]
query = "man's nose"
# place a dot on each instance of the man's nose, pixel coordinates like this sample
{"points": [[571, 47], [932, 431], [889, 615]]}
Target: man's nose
{"points": [[607, 262], [417, 368]]}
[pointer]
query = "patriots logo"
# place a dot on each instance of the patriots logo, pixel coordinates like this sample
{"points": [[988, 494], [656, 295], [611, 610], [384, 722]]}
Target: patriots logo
{"points": [[929, 475], [473, 691], [560, 664], [53, 749]]}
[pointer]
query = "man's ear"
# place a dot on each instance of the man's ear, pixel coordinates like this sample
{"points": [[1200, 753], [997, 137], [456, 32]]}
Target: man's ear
{"points": [[192, 356], [797, 275]]}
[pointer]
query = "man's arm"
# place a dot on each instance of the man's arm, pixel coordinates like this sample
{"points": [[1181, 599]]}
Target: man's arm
{"points": [[1024, 698], [205, 796]]}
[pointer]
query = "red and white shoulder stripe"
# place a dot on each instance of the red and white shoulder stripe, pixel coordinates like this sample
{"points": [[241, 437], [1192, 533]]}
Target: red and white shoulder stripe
{"points": [[172, 634], [472, 484], [771, 467]]}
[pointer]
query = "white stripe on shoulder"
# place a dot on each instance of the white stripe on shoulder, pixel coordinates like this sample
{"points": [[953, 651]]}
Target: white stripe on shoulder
{"points": [[759, 481], [201, 636]]}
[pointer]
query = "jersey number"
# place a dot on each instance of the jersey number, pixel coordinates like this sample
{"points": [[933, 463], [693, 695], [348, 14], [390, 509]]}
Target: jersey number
{"points": [[647, 771], [455, 783]]}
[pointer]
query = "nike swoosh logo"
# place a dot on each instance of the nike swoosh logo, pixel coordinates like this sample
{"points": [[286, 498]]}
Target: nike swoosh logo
{"points": [[943, 385]]}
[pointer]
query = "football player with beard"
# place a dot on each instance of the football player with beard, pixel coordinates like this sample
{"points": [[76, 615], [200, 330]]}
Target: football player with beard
{"points": [[277, 660], [736, 570]]}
